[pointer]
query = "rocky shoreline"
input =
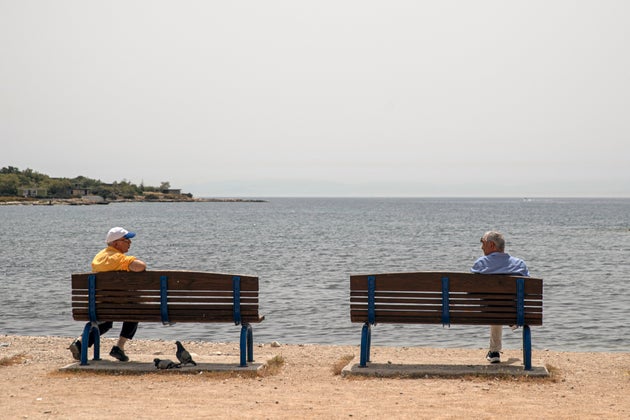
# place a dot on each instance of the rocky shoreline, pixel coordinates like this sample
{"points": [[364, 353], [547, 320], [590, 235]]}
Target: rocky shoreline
{"points": [[13, 201]]}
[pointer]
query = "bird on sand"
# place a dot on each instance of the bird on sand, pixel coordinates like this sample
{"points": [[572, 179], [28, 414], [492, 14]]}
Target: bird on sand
{"points": [[165, 364], [183, 356]]}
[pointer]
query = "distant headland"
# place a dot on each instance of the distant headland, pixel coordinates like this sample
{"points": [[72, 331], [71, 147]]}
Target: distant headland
{"points": [[92, 200], [29, 187]]}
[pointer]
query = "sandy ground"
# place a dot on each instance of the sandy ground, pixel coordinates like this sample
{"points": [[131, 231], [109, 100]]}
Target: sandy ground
{"points": [[304, 382]]}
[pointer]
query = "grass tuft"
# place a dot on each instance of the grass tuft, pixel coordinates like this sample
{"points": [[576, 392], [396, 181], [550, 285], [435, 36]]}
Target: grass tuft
{"points": [[341, 363], [13, 360], [273, 366], [554, 372]]}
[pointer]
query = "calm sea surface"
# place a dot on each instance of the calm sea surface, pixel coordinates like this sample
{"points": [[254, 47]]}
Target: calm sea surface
{"points": [[304, 250]]}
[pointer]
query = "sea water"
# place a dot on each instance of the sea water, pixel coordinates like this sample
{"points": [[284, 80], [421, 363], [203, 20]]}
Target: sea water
{"points": [[305, 249]]}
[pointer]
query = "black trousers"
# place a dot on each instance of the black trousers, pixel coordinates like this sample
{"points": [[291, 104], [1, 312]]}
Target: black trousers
{"points": [[128, 330]]}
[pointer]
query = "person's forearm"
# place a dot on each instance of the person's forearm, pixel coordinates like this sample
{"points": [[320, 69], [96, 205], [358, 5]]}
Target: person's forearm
{"points": [[137, 265]]}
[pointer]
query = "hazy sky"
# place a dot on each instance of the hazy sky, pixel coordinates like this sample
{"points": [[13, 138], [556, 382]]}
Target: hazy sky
{"points": [[321, 98]]}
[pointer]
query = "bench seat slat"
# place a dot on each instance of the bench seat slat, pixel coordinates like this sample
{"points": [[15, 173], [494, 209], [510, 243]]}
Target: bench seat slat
{"points": [[454, 320], [453, 308], [486, 318], [382, 314], [177, 280], [452, 301], [156, 299], [106, 314], [362, 294], [156, 292], [183, 318], [379, 311], [126, 307], [431, 282]]}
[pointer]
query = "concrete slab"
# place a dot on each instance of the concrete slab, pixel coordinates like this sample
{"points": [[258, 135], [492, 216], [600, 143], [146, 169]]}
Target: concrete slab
{"points": [[143, 363], [449, 369]]}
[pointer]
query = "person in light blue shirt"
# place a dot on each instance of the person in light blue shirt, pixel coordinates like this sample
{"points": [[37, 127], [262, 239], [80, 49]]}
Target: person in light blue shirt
{"points": [[496, 261]]}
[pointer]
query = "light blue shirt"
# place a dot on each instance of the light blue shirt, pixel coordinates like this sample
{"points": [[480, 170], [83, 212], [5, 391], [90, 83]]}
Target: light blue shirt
{"points": [[500, 263]]}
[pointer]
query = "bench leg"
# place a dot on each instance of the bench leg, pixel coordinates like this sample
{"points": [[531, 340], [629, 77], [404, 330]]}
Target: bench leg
{"points": [[85, 339], [250, 343], [366, 342], [247, 344], [527, 347]]}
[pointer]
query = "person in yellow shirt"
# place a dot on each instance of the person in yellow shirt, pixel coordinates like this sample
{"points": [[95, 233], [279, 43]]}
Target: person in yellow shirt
{"points": [[113, 258]]}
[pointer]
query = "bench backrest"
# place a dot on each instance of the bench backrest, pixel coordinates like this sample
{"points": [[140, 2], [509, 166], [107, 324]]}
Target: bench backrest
{"points": [[166, 296], [445, 298]]}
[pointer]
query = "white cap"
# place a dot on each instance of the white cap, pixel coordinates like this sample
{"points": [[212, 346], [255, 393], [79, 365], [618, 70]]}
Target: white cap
{"points": [[116, 233]]}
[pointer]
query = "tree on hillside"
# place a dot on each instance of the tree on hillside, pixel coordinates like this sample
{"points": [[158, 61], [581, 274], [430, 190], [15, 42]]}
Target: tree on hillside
{"points": [[125, 189], [9, 170], [59, 187], [84, 182], [9, 184]]}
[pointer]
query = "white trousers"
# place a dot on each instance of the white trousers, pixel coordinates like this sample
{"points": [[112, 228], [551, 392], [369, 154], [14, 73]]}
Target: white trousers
{"points": [[496, 336]]}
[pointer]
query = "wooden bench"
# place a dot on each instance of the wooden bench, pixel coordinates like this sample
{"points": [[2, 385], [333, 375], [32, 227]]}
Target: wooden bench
{"points": [[168, 297], [445, 298]]}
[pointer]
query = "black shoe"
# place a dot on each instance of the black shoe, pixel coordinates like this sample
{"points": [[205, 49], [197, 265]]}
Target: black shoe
{"points": [[493, 357], [75, 349], [118, 353]]}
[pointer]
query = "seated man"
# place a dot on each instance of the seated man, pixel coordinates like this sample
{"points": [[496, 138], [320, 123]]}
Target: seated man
{"points": [[113, 258], [496, 261]]}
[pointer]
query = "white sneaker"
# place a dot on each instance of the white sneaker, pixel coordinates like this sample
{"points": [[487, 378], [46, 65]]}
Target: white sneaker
{"points": [[493, 357]]}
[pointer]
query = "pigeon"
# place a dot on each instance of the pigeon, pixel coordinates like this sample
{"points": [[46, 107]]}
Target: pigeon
{"points": [[165, 364], [183, 356]]}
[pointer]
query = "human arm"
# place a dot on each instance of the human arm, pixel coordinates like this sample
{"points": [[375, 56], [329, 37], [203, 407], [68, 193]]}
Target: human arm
{"points": [[480, 266], [137, 265]]}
